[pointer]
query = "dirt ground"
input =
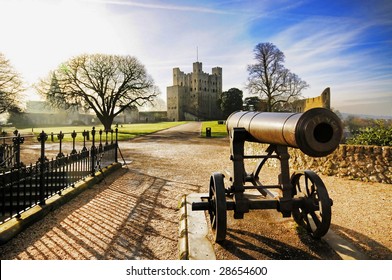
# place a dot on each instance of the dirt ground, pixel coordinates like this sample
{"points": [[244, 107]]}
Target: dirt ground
{"points": [[133, 214]]}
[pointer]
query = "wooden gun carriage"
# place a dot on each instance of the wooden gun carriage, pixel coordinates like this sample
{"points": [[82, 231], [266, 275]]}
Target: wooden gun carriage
{"points": [[303, 195]]}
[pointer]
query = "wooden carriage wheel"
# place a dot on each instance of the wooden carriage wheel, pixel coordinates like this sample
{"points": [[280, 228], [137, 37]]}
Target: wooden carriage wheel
{"points": [[218, 207], [314, 214]]}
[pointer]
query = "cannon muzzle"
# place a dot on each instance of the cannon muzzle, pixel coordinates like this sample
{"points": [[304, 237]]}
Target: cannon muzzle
{"points": [[316, 132]]}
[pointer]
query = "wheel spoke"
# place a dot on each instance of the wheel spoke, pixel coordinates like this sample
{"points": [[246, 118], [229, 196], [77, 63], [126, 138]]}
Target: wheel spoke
{"points": [[315, 219], [213, 221], [317, 205]]}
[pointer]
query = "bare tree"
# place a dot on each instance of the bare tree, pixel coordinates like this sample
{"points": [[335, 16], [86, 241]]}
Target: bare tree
{"points": [[271, 80], [11, 86], [106, 84]]}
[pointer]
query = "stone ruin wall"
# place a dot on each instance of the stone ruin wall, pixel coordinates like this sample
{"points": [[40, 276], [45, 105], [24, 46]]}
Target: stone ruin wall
{"points": [[364, 163]]}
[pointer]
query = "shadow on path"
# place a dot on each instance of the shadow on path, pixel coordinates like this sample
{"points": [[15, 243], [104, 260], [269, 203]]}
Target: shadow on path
{"points": [[248, 246], [370, 247], [132, 216]]}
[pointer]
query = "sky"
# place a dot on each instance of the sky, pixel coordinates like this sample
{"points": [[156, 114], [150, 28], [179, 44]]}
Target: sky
{"points": [[342, 44]]}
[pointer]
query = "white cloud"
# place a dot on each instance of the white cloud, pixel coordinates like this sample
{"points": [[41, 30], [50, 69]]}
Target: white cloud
{"points": [[162, 6], [168, 38], [329, 54]]}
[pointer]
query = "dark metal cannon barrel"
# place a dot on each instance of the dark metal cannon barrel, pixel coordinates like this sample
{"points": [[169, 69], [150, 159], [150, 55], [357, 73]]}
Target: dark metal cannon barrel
{"points": [[316, 132]]}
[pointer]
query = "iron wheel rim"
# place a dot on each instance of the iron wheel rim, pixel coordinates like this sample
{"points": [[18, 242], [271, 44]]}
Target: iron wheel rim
{"points": [[218, 208], [315, 212]]}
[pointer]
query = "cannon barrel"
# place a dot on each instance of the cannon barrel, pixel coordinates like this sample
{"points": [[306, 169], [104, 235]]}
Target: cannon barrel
{"points": [[316, 132]]}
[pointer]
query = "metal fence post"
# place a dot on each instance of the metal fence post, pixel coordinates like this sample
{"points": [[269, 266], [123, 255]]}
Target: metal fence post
{"points": [[42, 160], [116, 147], [73, 135], [100, 141], [60, 136], [93, 152], [17, 140], [85, 135]]}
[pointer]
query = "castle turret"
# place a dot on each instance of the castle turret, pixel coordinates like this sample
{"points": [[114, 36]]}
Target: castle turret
{"points": [[197, 67]]}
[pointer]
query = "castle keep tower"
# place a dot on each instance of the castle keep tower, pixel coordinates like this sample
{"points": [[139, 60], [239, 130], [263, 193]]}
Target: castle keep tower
{"points": [[194, 96]]}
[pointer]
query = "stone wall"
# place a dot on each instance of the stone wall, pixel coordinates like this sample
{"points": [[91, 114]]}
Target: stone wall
{"points": [[365, 163]]}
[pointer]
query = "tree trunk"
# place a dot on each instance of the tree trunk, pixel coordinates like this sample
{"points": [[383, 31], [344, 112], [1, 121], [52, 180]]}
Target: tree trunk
{"points": [[107, 123]]}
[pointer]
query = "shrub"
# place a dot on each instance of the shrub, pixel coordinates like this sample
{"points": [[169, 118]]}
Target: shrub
{"points": [[380, 135]]}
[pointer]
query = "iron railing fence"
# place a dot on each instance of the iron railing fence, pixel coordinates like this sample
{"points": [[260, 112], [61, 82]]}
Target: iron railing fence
{"points": [[24, 186], [8, 150]]}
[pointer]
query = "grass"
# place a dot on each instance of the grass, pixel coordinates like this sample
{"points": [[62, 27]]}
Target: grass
{"points": [[217, 130], [125, 131], [129, 131]]}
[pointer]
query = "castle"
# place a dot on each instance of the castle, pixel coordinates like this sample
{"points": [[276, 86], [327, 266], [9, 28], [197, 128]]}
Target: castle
{"points": [[324, 100], [194, 96]]}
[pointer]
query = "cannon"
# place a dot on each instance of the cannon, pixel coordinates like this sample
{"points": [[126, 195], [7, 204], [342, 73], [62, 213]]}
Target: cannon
{"points": [[303, 195]]}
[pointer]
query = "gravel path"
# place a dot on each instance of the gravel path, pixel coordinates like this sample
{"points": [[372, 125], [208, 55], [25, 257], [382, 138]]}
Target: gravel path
{"points": [[134, 213]]}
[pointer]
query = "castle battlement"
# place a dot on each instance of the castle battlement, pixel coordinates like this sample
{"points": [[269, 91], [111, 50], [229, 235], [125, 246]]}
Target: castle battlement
{"points": [[324, 101]]}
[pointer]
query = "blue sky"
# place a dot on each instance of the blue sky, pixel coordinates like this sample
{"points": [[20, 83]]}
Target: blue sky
{"points": [[341, 44]]}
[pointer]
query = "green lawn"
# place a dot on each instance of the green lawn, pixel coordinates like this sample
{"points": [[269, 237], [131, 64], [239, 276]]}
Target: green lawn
{"points": [[217, 130], [129, 131], [125, 131]]}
